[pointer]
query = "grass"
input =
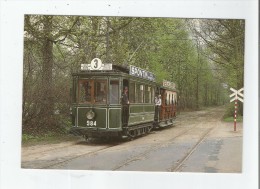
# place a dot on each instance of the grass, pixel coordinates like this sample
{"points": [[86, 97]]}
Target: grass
{"points": [[231, 119], [50, 138]]}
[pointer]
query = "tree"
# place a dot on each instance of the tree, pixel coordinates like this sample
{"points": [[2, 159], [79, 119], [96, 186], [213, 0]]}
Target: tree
{"points": [[55, 46], [44, 31], [225, 41]]}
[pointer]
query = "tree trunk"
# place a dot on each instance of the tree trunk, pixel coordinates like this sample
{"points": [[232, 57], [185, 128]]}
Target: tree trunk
{"points": [[107, 40], [47, 100]]}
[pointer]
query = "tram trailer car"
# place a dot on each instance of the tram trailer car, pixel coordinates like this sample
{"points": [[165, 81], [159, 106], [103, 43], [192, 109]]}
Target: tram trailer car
{"points": [[97, 110], [165, 114]]}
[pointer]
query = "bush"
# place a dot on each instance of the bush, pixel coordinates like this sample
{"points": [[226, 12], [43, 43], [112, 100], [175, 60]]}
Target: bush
{"points": [[229, 113], [230, 110]]}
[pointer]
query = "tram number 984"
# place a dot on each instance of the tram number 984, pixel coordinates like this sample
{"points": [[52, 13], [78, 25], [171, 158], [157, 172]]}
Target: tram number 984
{"points": [[91, 123]]}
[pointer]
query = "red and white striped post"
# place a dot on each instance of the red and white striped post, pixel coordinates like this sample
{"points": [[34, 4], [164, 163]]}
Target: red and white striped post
{"points": [[235, 115], [236, 98]]}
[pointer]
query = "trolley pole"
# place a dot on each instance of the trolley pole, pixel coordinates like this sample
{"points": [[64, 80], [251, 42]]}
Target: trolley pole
{"points": [[236, 98]]}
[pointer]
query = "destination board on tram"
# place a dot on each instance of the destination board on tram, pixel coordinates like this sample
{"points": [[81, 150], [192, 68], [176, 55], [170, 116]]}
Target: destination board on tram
{"points": [[169, 84], [138, 72]]}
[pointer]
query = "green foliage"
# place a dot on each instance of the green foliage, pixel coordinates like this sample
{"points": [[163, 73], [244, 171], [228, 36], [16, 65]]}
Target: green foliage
{"points": [[230, 110], [166, 46], [27, 137]]}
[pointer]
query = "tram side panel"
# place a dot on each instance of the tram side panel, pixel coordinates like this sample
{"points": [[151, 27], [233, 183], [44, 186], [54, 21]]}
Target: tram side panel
{"points": [[141, 113], [138, 115]]}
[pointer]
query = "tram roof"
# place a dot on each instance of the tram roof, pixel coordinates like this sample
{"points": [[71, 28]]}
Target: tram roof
{"points": [[123, 70]]}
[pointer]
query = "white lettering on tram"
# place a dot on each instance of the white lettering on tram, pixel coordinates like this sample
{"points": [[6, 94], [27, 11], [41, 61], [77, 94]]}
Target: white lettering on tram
{"points": [[138, 72]]}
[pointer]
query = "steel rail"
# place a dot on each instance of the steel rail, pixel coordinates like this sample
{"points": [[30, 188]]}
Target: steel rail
{"points": [[155, 147], [185, 158]]}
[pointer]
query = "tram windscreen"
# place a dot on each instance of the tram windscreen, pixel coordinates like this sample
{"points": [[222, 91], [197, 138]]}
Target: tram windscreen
{"points": [[92, 91]]}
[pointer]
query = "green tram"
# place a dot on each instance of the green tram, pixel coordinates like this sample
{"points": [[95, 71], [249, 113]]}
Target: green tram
{"points": [[97, 108]]}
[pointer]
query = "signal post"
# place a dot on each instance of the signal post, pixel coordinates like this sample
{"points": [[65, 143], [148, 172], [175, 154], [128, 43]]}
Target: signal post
{"points": [[235, 95]]}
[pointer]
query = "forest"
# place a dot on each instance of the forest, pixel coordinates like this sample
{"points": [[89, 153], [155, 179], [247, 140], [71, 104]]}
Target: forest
{"points": [[203, 57]]}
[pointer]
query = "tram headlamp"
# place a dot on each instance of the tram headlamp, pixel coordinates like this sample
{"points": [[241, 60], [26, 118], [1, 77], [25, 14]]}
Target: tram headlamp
{"points": [[90, 114]]}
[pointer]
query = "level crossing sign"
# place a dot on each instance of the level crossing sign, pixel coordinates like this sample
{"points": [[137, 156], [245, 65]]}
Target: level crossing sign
{"points": [[235, 96]]}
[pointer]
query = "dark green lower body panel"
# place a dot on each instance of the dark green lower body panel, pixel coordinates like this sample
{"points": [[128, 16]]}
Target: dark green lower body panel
{"points": [[99, 121], [140, 114], [114, 118], [106, 122]]}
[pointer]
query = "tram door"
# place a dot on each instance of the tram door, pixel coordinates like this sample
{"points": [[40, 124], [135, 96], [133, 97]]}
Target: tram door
{"points": [[166, 104], [125, 102]]}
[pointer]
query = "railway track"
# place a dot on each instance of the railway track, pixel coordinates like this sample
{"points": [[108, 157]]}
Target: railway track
{"points": [[155, 147], [139, 156], [158, 146], [62, 162], [178, 167], [57, 164], [40, 153], [51, 149]]}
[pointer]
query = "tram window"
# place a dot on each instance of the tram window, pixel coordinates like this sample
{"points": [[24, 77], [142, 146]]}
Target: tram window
{"points": [[100, 92], [114, 92], [132, 92], [85, 91], [140, 93], [148, 94], [152, 94], [137, 91], [92, 91]]}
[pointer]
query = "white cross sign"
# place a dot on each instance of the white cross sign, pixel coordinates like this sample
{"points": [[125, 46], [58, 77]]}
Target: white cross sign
{"points": [[236, 95]]}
